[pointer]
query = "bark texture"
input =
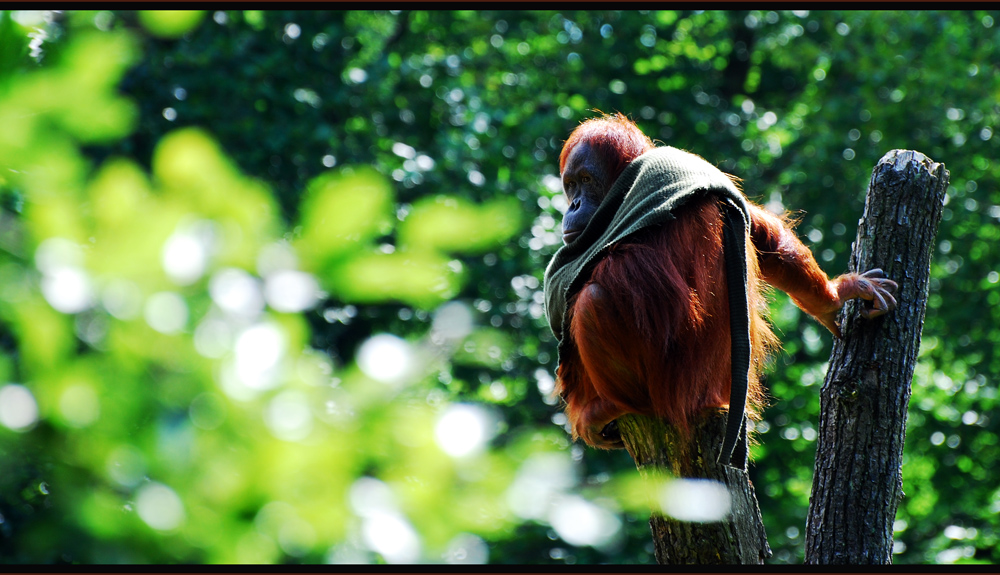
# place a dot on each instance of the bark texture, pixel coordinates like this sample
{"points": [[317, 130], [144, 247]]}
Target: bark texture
{"points": [[658, 451], [857, 483]]}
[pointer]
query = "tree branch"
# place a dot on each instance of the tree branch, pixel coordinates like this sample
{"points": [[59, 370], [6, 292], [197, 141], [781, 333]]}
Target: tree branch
{"points": [[857, 483]]}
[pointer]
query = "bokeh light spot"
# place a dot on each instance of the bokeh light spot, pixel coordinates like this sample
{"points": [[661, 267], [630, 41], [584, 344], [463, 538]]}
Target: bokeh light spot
{"points": [[391, 536], [384, 530], [369, 496], [464, 429], [541, 480], [79, 405], [276, 257], [288, 416], [236, 292], [291, 291], [122, 298], [159, 507], [296, 537], [67, 289], [258, 352], [453, 321], [701, 500], [213, 337], [546, 385], [580, 522], [18, 409], [185, 253], [55, 253], [386, 358], [166, 312], [467, 549], [280, 521]]}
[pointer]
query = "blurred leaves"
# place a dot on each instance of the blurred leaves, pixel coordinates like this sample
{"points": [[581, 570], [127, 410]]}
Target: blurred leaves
{"points": [[170, 23], [13, 46], [456, 225], [342, 213], [421, 279]]}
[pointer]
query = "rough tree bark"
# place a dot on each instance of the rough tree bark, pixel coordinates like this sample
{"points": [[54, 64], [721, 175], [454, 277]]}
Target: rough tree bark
{"points": [[857, 484], [659, 452]]}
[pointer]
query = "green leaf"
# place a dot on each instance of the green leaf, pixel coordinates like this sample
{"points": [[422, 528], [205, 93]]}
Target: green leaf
{"points": [[422, 279], [170, 23], [454, 224], [13, 46], [342, 212]]}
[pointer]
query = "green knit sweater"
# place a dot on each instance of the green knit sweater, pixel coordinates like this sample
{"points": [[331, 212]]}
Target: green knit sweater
{"points": [[646, 194]]}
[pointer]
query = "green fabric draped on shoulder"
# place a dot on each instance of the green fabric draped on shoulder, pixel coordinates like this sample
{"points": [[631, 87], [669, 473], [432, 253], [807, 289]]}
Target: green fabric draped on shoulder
{"points": [[646, 194]]}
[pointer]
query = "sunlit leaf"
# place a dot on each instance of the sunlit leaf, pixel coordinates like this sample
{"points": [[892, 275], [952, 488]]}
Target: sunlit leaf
{"points": [[170, 23], [255, 18], [90, 69], [13, 46], [131, 223], [56, 217], [46, 334], [189, 161], [191, 168], [100, 513], [119, 188], [342, 212], [419, 278], [453, 224]]}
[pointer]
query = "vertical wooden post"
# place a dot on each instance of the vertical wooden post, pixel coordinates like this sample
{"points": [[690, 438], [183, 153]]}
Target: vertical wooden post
{"points": [[857, 483]]}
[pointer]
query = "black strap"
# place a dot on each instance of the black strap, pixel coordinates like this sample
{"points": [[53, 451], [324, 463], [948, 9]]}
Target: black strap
{"points": [[734, 447]]}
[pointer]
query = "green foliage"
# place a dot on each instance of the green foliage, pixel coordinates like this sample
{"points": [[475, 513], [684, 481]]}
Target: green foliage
{"points": [[455, 224], [13, 46], [342, 213], [170, 23], [263, 272]]}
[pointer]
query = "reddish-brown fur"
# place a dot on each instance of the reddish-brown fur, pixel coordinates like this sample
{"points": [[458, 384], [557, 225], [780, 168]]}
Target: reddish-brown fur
{"points": [[649, 331], [614, 138]]}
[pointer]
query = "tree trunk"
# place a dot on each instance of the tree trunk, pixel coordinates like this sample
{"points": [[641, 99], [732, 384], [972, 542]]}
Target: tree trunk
{"points": [[661, 453], [857, 483]]}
